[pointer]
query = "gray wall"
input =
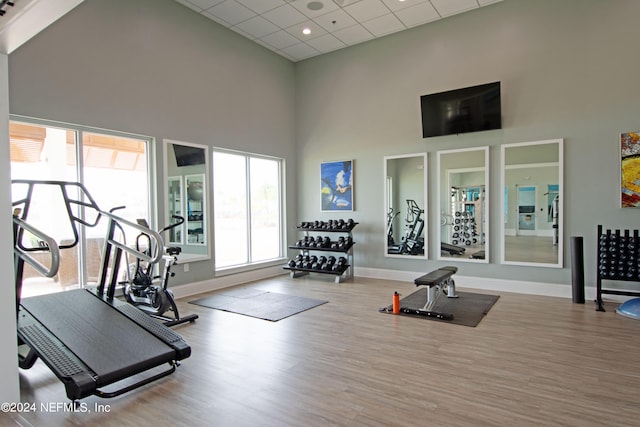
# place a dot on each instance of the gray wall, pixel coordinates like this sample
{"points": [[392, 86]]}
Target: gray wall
{"points": [[568, 70], [157, 68]]}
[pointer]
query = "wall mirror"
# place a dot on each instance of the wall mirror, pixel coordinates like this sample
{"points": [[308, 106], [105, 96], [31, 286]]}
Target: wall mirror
{"points": [[463, 197], [405, 200], [532, 203], [186, 190]]}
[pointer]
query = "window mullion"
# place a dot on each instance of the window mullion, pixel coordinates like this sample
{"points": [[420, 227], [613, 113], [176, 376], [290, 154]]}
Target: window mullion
{"points": [[248, 201]]}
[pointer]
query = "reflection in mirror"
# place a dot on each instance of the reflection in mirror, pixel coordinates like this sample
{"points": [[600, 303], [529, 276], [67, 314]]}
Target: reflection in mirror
{"points": [[186, 178], [532, 203], [405, 205], [463, 197]]}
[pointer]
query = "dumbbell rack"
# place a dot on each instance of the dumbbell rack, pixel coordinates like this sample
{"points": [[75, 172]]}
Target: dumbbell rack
{"points": [[341, 246], [618, 259]]}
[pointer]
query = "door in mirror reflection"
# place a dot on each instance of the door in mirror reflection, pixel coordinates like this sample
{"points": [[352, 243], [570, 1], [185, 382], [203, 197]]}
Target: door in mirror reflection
{"points": [[463, 204], [532, 203], [405, 205]]}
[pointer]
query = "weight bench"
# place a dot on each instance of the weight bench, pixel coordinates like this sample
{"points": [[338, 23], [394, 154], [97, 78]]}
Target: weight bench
{"points": [[452, 249], [436, 281]]}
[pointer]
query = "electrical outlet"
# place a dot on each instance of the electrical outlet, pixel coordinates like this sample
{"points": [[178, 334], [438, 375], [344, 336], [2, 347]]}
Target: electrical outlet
{"points": [[186, 267]]}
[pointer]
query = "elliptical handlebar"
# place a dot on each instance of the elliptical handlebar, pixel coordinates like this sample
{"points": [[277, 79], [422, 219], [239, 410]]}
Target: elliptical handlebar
{"points": [[180, 221]]}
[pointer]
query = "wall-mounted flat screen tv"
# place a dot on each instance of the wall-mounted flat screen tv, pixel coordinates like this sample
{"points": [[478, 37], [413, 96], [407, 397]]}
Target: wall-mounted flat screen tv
{"points": [[471, 109], [188, 156]]}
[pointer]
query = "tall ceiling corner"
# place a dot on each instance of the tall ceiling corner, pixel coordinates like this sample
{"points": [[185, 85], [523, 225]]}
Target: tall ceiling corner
{"points": [[20, 20]]}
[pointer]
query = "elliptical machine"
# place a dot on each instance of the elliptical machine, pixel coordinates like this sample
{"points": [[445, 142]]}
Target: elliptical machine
{"points": [[150, 293]]}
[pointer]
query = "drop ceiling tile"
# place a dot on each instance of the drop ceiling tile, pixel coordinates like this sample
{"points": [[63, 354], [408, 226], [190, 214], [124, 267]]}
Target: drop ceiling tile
{"points": [[200, 4], [326, 43], [417, 15], [353, 35], [451, 7], [257, 27], [395, 5], [280, 40], [300, 51], [230, 11], [277, 24], [385, 24], [305, 7], [190, 5], [335, 20], [242, 33], [285, 16], [296, 30], [261, 6], [343, 3], [366, 10], [216, 19]]}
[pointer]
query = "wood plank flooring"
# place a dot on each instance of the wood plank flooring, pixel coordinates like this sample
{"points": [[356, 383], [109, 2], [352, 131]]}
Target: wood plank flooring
{"points": [[532, 361]]}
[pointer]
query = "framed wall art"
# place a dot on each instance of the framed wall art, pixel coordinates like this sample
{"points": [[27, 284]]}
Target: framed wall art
{"points": [[630, 170], [336, 186]]}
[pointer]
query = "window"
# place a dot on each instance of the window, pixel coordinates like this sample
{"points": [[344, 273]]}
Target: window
{"points": [[247, 209], [113, 167]]}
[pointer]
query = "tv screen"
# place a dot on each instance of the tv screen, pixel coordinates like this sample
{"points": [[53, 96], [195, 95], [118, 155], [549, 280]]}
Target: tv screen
{"points": [[188, 156], [470, 109]]}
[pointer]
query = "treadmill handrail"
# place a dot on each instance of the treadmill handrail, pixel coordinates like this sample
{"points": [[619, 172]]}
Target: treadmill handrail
{"points": [[51, 247], [153, 258]]}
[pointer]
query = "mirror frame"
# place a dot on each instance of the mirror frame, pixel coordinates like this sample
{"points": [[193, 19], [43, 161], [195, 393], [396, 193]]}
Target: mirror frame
{"points": [[185, 255], [425, 231], [503, 168], [487, 219]]}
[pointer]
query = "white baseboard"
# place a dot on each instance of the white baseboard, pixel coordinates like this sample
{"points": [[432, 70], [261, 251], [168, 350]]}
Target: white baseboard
{"points": [[484, 283], [489, 284]]}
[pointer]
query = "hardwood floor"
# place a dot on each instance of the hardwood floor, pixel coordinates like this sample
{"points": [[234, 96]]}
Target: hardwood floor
{"points": [[532, 361]]}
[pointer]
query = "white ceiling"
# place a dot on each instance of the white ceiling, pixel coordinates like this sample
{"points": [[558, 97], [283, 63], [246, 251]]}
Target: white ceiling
{"points": [[334, 24], [22, 19]]}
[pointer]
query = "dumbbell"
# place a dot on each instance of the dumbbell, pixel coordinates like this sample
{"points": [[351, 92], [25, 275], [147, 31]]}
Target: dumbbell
{"points": [[340, 265]]}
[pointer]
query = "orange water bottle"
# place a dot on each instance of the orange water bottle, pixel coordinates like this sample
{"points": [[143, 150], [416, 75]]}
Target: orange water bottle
{"points": [[396, 302]]}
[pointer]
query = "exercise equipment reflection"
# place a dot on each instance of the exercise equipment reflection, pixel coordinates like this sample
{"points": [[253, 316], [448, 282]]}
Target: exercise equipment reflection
{"points": [[412, 243]]}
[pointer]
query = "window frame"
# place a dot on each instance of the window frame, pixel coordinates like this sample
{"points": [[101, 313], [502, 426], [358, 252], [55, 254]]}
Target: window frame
{"points": [[251, 265], [79, 131]]}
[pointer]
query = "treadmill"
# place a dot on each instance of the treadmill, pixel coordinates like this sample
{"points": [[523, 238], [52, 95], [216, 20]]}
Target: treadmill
{"points": [[93, 342]]}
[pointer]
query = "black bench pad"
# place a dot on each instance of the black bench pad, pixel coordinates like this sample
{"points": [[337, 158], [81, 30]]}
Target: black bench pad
{"points": [[436, 277]]}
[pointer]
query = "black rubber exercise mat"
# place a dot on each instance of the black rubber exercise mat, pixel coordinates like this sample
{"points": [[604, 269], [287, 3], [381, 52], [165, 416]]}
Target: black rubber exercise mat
{"points": [[257, 303], [468, 309]]}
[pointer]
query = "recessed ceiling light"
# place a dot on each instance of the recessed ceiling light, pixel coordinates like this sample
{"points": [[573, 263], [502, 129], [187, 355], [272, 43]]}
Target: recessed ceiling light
{"points": [[306, 31], [315, 5]]}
